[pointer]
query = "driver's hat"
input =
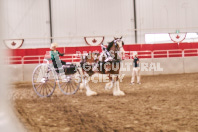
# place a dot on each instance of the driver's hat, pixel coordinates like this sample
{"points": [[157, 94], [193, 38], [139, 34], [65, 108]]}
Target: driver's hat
{"points": [[53, 45]]}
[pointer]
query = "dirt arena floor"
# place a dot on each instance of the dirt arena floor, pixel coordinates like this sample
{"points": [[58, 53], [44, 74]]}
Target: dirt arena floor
{"points": [[164, 103]]}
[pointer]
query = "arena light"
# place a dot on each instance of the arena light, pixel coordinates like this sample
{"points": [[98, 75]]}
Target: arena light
{"points": [[157, 38], [166, 37], [191, 37]]}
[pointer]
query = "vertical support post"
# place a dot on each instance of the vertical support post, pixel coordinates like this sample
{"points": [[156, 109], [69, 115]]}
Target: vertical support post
{"points": [[135, 20], [167, 53], [50, 20], [152, 54]]}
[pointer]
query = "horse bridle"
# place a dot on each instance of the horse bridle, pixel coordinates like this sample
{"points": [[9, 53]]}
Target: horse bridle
{"points": [[115, 42]]}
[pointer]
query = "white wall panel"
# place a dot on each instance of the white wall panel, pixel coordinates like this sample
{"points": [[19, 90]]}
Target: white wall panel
{"points": [[164, 16], [26, 19], [190, 64], [74, 19], [78, 18], [169, 65]]}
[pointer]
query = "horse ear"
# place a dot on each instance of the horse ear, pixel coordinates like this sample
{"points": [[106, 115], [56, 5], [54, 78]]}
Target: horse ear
{"points": [[121, 37]]}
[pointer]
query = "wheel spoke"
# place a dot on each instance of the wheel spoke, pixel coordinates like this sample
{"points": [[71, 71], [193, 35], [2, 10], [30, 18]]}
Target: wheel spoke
{"points": [[65, 86], [40, 86], [37, 83], [44, 89], [51, 81], [36, 73], [72, 86], [49, 87], [62, 84], [41, 89]]}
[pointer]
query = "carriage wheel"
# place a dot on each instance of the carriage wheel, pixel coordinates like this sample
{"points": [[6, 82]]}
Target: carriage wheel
{"points": [[43, 80], [69, 84]]}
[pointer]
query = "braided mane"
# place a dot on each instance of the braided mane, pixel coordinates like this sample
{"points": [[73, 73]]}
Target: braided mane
{"points": [[110, 44]]}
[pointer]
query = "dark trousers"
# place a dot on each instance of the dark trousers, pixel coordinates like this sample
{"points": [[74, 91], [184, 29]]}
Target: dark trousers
{"points": [[59, 62]]}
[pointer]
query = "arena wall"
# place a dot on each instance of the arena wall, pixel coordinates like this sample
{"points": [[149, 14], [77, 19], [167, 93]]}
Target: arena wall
{"points": [[129, 47], [16, 72], [190, 64], [177, 65], [173, 58], [169, 65]]}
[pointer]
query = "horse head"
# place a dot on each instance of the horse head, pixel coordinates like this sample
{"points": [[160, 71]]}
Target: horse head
{"points": [[119, 43], [116, 46]]}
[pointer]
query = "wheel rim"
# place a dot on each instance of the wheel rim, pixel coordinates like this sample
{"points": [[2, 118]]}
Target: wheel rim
{"points": [[70, 83], [43, 80]]}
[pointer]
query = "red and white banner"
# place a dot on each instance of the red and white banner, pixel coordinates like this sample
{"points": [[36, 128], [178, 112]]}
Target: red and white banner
{"points": [[13, 43], [94, 41]]}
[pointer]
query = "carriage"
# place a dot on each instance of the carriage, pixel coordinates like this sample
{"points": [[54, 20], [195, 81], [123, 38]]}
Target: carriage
{"points": [[45, 79]]}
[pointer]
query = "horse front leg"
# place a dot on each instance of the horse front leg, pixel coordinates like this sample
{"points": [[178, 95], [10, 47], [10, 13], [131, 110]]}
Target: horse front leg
{"points": [[116, 90], [89, 92]]}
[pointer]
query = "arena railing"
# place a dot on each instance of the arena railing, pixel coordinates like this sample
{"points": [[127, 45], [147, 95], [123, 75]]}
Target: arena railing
{"points": [[14, 60], [39, 58], [76, 57], [190, 52], [167, 53], [145, 54], [32, 59]]}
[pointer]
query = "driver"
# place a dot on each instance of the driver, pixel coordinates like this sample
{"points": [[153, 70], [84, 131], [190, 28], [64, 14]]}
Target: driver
{"points": [[55, 58]]}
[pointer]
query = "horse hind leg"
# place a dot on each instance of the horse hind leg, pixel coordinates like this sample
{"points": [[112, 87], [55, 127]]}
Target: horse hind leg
{"points": [[82, 84], [109, 85]]}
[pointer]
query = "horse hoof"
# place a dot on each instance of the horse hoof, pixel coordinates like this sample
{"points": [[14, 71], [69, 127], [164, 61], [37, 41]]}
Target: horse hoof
{"points": [[91, 93], [119, 93], [122, 93], [108, 86]]}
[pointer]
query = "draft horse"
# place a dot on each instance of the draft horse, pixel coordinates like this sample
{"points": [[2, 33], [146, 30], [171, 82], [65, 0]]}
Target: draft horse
{"points": [[112, 68]]}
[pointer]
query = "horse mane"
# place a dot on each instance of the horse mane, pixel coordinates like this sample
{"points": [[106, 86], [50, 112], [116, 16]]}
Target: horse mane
{"points": [[122, 43], [110, 44]]}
